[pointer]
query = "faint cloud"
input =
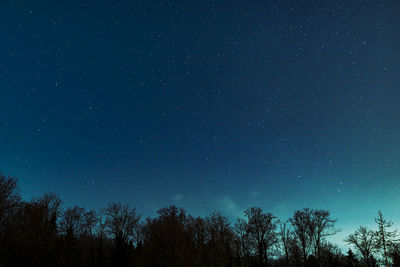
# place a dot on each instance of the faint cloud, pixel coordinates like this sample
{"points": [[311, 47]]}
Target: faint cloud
{"points": [[255, 194], [177, 197], [283, 210], [228, 206], [229, 203]]}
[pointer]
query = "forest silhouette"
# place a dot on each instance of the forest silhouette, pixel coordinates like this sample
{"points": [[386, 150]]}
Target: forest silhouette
{"points": [[40, 232]]}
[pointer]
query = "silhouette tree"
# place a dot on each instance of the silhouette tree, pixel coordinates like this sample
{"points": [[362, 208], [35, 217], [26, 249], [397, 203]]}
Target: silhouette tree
{"points": [[219, 241], [197, 231], [9, 199], [385, 238], [121, 222], [351, 259], [243, 243], [320, 226], [38, 232], [365, 241], [50, 206], [70, 222], [101, 234], [9, 204], [261, 228], [285, 238], [70, 226], [330, 255], [296, 254], [311, 227], [301, 222], [89, 221], [166, 238]]}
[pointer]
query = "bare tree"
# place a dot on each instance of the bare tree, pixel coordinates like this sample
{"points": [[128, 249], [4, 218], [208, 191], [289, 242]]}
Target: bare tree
{"points": [[101, 234], [365, 242], [70, 222], [285, 237], [220, 237], [166, 238], [301, 222], [321, 226], [88, 225], [101, 225], [49, 205], [38, 228], [330, 255], [243, 239], [311, 227], [9, 202], [198, 230], [296, 254], [9, 197], [198, 234], [262, 231], [121, 221], [89, 221], [70, 226], [219, 227], [385, 238]]}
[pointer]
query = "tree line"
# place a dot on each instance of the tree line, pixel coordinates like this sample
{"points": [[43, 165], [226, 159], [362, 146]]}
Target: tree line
{"points": [[40, 232]]}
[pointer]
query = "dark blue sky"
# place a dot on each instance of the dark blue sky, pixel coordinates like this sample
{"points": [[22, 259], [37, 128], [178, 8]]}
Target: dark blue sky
{"points": [[205, 104]]}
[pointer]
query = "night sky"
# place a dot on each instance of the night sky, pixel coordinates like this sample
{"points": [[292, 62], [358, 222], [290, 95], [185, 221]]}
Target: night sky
{"points": [[209, 105]]}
